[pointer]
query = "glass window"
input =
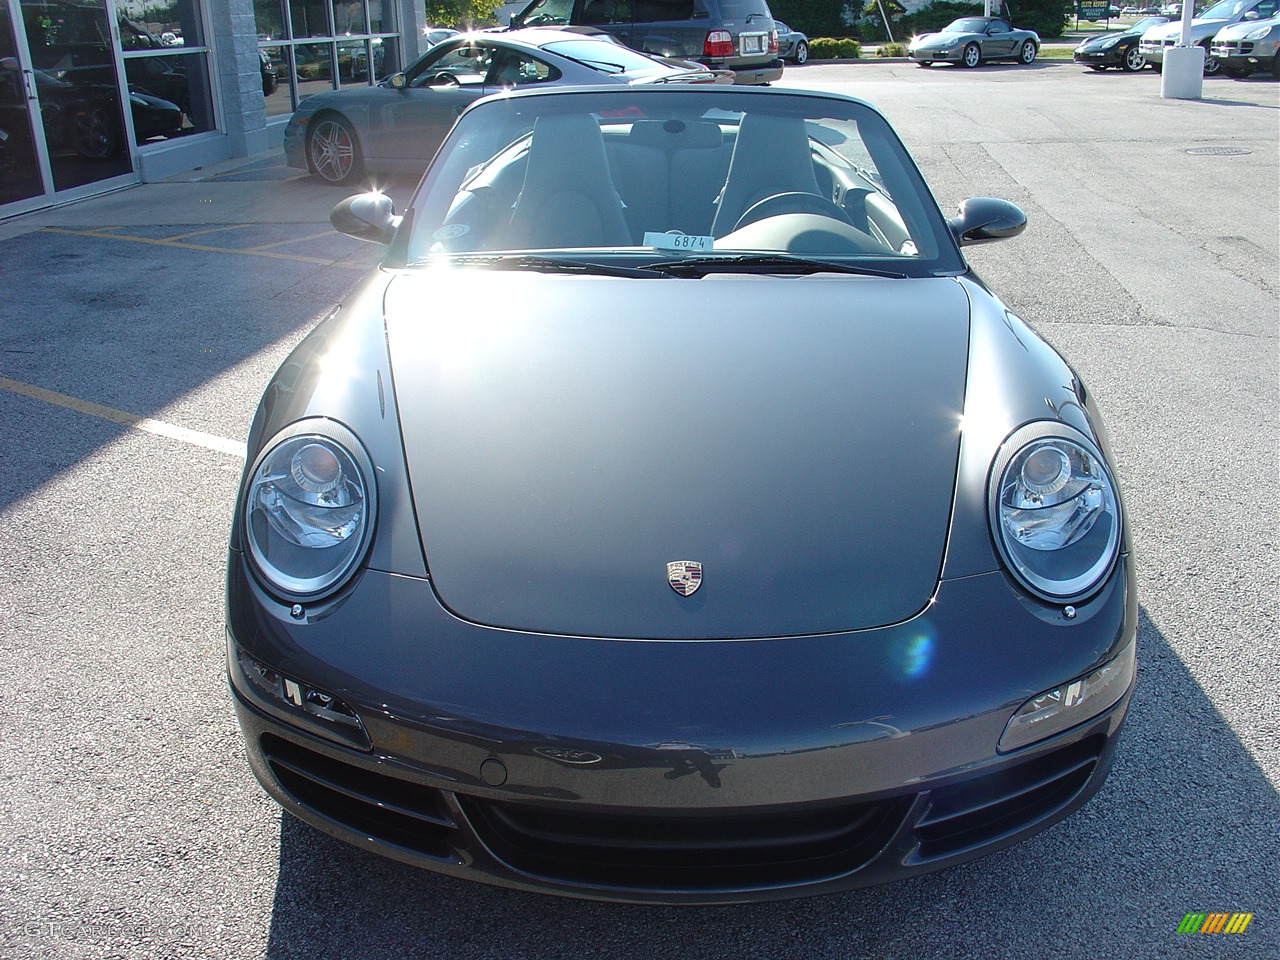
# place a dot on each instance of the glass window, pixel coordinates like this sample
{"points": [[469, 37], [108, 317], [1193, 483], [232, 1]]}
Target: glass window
{"points": [[269, 17], [147, 25], [339, 47], [275, 80], [349, 18], [167, 68], [463, 65], [309, 18]]}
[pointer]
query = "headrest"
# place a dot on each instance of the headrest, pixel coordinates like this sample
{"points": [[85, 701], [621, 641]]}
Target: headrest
{"points": [[677, 134]]}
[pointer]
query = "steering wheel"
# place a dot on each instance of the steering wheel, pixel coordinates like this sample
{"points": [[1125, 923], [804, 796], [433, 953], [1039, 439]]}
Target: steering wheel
{"points": [[793, 202], [445, 79]]}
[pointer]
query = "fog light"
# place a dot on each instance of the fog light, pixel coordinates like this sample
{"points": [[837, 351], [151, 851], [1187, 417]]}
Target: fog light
{"points": [[1071, 703], [291, 699]]}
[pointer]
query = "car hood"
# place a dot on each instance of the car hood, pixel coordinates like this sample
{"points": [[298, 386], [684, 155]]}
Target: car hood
{"points": [[1199, 30], [1239, 30], [1101, 38], [568, 437], [939, 39]]}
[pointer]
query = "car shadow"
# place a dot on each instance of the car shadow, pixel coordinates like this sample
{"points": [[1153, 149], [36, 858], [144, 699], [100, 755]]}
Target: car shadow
{"points": [[1186, 823], [140, 317]]}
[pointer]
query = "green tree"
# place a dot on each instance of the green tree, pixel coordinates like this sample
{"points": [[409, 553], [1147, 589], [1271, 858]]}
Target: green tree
{"points": [[817, 18], [460, 13]]}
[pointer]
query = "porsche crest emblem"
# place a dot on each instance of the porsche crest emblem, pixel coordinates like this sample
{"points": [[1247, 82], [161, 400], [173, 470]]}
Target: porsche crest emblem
{"points": [[685, 576]]}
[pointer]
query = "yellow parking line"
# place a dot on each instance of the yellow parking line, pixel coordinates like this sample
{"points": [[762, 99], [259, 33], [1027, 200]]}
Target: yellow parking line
{"points": [[285, 243], [159, 428], [359, 267], [197, 233]]}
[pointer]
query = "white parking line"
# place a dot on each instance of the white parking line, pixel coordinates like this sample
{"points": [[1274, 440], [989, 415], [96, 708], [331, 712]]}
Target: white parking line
{"points": [[232, 448]]}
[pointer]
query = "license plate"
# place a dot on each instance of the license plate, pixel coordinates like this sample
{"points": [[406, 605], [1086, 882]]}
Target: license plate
{"points": [[751, 44]]}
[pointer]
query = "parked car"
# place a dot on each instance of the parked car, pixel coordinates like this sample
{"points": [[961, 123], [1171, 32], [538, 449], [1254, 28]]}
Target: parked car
{"points": [[1117, 48], [571, 556], [436, 35], [1244, 48], [971, 41], [735, 34], [793, 46], [396, 125], [1203, 29]]}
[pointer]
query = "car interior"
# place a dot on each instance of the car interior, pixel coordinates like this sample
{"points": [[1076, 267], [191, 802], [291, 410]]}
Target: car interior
{"points": [[759, 182]]}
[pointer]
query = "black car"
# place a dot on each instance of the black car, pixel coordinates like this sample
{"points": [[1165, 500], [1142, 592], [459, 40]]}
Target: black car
{"points": [[738, 35], [1118, 48], [571, 555]]}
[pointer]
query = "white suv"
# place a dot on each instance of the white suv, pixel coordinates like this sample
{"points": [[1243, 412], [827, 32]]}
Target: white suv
{"points": [[1203, 28]]}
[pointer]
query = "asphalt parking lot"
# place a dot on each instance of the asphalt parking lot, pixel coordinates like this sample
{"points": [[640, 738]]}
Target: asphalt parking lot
{"points": [[138, 329]]}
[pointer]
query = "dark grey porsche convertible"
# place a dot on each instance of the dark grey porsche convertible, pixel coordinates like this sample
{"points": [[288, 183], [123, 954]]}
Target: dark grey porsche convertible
{"points": [[674, 517]]}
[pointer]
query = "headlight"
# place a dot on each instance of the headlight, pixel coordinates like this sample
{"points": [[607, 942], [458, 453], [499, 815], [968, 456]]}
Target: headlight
{"points": [[309, 509], [1109, 44], [1055, 514], [1257, 34]]}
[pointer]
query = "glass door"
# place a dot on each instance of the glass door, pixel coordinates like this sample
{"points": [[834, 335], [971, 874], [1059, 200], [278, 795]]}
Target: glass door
{"points": [[24, 171], [74, 62], [60, 92]]}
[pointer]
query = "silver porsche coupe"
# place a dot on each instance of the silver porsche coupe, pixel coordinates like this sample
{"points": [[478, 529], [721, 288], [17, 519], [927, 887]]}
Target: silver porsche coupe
{"points": [[674, 517]]}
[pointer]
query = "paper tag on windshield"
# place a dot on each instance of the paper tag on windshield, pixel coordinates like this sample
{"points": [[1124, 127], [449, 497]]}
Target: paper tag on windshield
{"points": [[678, 241]]}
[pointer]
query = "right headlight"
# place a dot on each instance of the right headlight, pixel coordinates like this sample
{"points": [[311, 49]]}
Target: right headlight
{"points": [[1055, 513], [309, 508]]}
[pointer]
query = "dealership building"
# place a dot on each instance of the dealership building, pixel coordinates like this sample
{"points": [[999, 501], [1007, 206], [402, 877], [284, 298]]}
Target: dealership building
{"points": [[99, 94]]}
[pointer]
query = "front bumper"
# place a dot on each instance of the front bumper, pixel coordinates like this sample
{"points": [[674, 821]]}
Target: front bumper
{"points": [[1153, 53], [1113, 57], [295, 142], [951, 55], [680, 772], [1244, 53]]}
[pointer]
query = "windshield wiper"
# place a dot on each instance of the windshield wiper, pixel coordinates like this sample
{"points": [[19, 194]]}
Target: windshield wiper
{"points": [[764, 263], [521, 261]]}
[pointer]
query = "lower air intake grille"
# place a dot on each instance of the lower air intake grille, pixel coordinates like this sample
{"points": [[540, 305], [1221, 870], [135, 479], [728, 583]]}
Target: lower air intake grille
{"points": [[681, 851], [987, 808], [387, 808]]}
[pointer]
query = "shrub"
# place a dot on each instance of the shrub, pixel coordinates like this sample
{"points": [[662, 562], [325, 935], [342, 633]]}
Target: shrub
{"points": [[892, 50], [832, 48]]}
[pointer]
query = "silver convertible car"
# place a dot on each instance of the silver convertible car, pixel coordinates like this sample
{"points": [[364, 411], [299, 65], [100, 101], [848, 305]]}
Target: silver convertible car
{"points": [[971, 41], [396, 125], [674, 517]]}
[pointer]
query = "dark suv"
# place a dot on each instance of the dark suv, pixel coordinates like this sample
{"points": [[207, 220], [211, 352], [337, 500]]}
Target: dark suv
{"points": [[734, 34]]}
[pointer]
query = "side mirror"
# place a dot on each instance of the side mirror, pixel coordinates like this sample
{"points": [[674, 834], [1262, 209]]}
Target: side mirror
{"points": [[982, 219], [399, 81], [366, 216]]}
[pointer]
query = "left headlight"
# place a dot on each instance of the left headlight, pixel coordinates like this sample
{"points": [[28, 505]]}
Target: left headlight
{"points": [[1055, 513], [309, 509]]}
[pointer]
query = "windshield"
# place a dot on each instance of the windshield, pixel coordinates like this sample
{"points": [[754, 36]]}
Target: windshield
{"points": [[1146, 23], [965, 26], [1225, 10], [639, 176]]}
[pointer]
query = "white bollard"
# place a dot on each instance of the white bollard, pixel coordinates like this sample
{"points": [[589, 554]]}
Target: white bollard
{"points": [[1182, 75]]}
